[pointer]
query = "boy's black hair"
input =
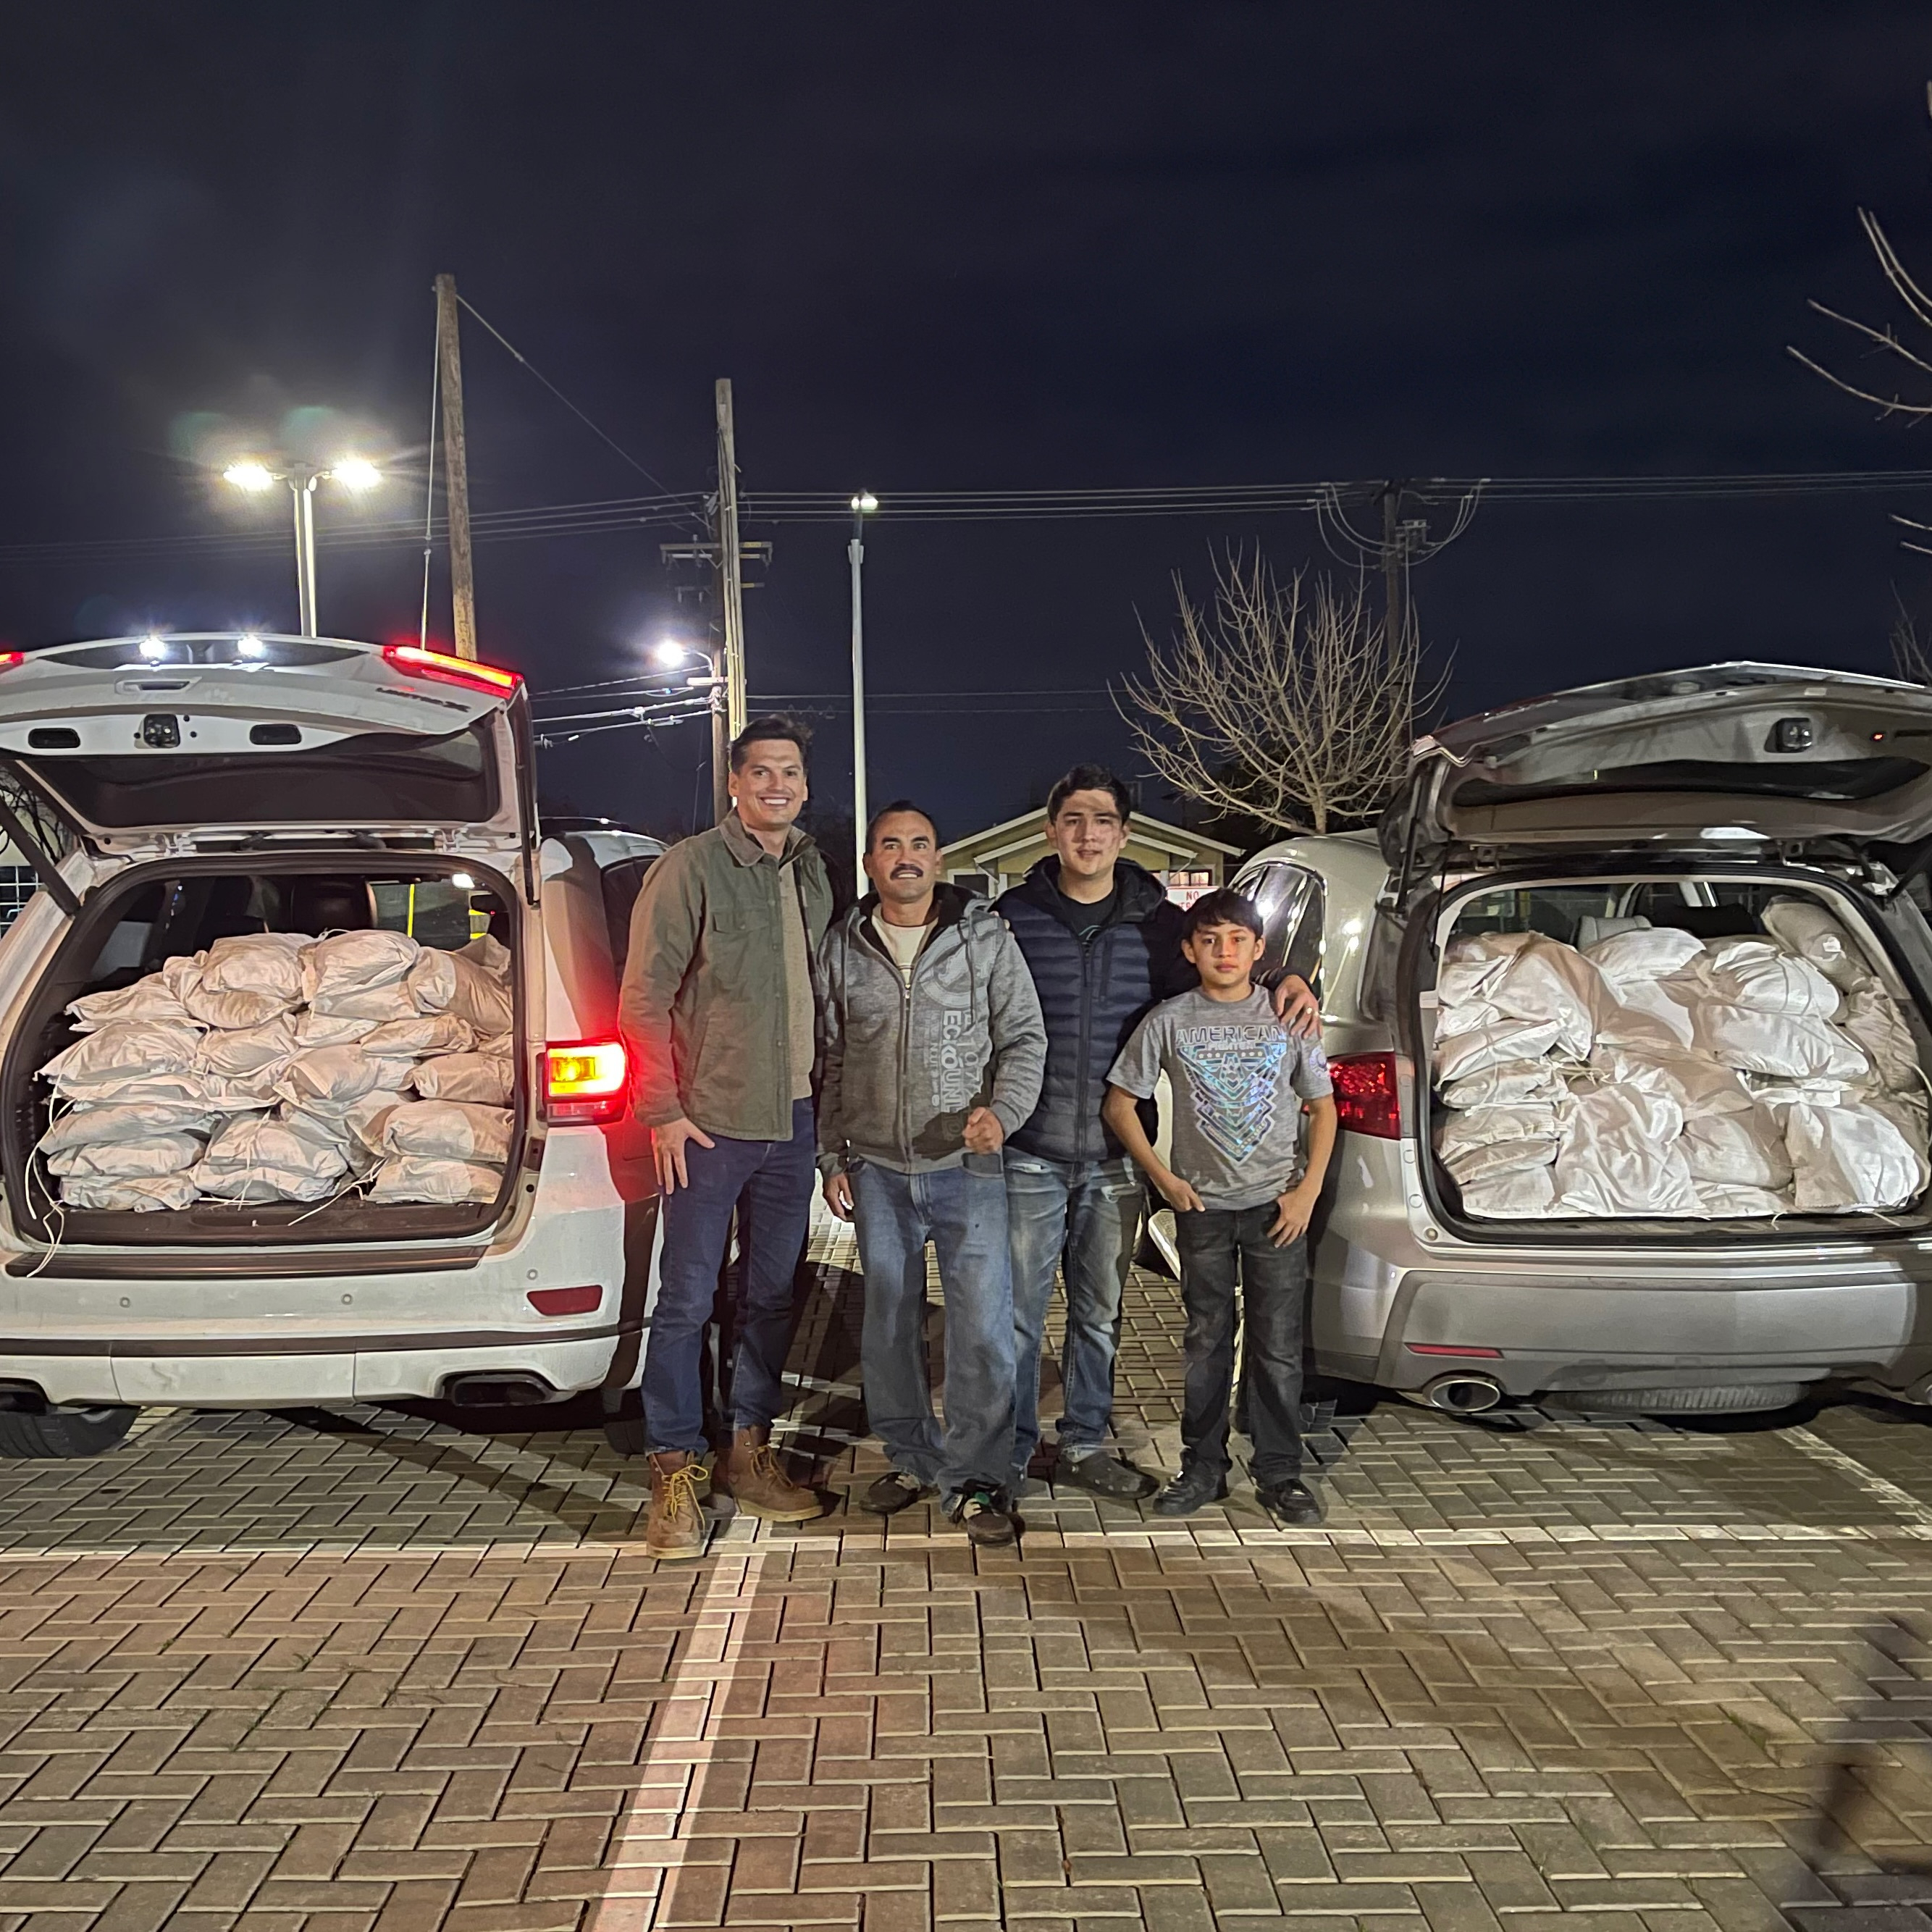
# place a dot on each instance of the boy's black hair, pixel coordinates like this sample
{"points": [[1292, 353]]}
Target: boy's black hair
{"points": [[898, 805], [1090, 777], [772, 724], [1223, 906]]}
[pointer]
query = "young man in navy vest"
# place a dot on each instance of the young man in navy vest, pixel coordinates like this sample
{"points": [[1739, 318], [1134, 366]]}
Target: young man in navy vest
{"points": [[1102, 941]]}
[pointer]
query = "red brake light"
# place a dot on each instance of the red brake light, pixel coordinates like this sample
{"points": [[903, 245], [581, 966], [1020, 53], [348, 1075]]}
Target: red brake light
{"points": [[412, 661], [8, 659], [565, 1300], [586, 1082], [1367, 1098]]}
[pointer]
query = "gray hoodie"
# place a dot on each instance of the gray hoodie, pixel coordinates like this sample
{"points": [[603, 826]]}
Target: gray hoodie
{"points": [[901, 1067]]}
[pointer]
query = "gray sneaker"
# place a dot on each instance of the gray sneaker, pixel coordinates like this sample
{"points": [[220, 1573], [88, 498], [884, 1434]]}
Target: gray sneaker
{"points": [[1101, 1474], [893, 1492]]}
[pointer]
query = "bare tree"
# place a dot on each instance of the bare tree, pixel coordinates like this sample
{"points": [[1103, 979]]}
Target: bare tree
{"points": [[1910, 662], [1291, 703]]}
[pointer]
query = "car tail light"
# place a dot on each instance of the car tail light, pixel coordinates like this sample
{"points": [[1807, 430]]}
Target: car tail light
{"points": [[412, 661], [1367, 1098], [9, 659], [586, 1082], [566, 1300]]}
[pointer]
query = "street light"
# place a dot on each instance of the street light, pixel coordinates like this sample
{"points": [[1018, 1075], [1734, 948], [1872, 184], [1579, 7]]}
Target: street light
{"points": [[863, 505], [353, 473]]}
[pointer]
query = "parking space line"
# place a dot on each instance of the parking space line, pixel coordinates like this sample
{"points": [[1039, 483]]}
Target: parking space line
{"points": [[1886, 1491]]}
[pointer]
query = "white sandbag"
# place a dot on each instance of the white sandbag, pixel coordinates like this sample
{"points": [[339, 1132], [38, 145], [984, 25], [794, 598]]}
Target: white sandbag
{"points": [[257, 962], [1549, 981], [1727, 1201], [1744, 1150], [484, 1077], [1621, 1156], [373, 1003], [1512, 1080], [1519, 1196], [95, 1126], [1518, 1121], [1480, 1160], [314, 1029], [158, 1090], [1849, 1157], [133, 1194], [244, 1093], [239, 1009], [421, 1034], [1471, 1015], [488, 951], [261, 1157], [1698, 1084], [1651, 952], [152, 998], [1872, 1017], [452, 1128], [1658, 1001], [1624, 1024], [1759, 974], [1464, 1053], [339, 1073], [422, 1177], [447, 982], [1789, 1046], [159, 1154], [1811, 932], [356, 1126], [97, 1064], [347, 964], [502, 1046], [248, 1049]]}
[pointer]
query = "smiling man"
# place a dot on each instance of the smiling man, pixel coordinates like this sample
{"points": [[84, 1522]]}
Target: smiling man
{"points": [[718, 1006], [932, 1051]]}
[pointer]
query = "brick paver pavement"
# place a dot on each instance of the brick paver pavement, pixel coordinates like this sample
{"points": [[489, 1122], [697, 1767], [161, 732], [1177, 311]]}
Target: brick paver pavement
{"points": [[1553, 1676]]}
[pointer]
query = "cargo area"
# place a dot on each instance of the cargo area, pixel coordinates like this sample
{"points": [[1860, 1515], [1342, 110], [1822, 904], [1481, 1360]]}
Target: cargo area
{"points": [[1696, 1049], [286, 1051]]}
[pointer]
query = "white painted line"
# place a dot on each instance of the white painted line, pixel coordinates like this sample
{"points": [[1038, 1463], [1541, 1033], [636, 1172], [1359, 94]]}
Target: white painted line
{"points": [[1907, 1505]]}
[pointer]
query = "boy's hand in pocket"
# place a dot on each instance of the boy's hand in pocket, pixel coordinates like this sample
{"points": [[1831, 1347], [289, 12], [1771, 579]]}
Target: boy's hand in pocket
{"points": [[1293, 1211], [1179, 1195]]}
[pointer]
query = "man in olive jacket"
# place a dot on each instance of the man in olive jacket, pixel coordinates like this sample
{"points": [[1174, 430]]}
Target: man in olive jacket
{"points": [[718, 1006]]}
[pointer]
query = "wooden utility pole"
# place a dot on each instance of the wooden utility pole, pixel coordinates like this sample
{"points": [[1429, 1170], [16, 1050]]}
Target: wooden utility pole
{"points": [[1395, 612], [731, 563], [456, 466]]}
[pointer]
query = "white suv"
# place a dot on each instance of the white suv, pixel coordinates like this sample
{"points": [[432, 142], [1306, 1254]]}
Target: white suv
{"points": [[170, 791]]}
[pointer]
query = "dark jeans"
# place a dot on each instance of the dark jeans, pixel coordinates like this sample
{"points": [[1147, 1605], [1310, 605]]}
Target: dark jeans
{"points": [[1216, 1246], [770, 1184], [1081, 1218]]}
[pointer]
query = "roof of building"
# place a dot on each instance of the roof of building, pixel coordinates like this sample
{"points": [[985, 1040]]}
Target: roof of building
{"points": [[1011, 834]]}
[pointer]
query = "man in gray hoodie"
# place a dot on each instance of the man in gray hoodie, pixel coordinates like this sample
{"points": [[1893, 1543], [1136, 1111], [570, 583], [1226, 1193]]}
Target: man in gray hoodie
{"points": [[931, 1049]]}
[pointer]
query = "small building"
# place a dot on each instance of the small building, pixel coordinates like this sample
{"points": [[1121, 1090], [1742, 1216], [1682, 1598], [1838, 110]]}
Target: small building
{"points": [[1188, 863]]}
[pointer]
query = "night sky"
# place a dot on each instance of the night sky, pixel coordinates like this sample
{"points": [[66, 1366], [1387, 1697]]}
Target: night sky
{"points": [[997, 247]]}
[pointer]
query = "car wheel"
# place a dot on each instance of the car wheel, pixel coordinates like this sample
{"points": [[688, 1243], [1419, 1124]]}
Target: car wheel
{"points": [[1742, 1399], [624, 1422], [62, 1432]]}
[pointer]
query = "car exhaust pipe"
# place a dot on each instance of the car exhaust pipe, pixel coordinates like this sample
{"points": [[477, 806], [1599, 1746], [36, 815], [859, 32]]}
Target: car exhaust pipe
{"points": [[1462, 1393], [512, 1388]]}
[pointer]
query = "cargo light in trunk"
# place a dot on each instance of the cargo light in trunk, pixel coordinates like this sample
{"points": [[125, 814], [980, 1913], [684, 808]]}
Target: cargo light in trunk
{"points": [[1367, 1100], [412, 661], [586, 1082]]}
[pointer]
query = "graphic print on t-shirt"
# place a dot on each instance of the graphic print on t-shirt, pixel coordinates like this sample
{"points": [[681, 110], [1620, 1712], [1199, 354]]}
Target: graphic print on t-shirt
{"points": [[1234, 1077]]}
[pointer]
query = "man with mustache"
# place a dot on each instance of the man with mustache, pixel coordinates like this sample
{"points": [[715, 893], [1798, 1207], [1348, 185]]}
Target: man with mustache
{"points": [[930, 1051]]}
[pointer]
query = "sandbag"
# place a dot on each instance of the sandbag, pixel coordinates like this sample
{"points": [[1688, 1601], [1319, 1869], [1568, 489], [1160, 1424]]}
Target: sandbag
{"points": [[1790, 1046], [261, 1157], [100, 1063], [339, 1073], [1727, 1201], [355, 1126], [158, 1153], [1745, 1149], [152, 998], [1652, 952], [485, 1077], [422, 1177], [1518, 1121], [1464, 1053], [241, 1008], [1661, 1002], [1479, 1160], [1517, 1195], [1810, 932], [314, 1029], [1850, 1157], [133, 1194], [1469, 1017], [1510, 1080], [1624, 1023], [448, 983], [1758, 974], [1699, 1085], [454, 1129], [248, 1049], [1621, 1157], [373, 1003], [257, 962], [488, 951], [1872, 1017], [1547, 981], [347, 964], [421, 1034], [94, 1126]]}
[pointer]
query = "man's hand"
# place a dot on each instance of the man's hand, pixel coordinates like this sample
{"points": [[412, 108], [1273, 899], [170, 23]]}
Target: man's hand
{"points": [[669, 1141], [838, 1194], [984, 1133], [1296, 1006], [1293, 1211], [1181, 1198]]}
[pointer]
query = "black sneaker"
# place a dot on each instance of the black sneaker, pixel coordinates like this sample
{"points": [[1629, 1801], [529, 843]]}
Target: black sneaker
{"points": [[1100, 1475], [987, 1517], [892, 1492], [1292, 1503], [1191, 1490]]}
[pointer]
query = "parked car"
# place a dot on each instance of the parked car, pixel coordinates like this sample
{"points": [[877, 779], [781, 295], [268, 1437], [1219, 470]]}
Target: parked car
{"points": [[1689, 800], [169, 791]]}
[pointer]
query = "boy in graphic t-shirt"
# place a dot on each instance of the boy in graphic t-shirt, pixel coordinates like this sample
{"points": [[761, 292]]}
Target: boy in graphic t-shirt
{"points": [[1243, 1187]]}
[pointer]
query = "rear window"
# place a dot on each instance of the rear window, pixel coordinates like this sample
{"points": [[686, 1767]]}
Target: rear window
{"points": [[1826, 779], [375, 777]]}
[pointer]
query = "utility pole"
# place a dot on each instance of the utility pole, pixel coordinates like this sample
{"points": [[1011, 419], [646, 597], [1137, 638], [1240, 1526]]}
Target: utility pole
{"points": [[456, 466], [863, 505], [731, 563], [1395, 612]]}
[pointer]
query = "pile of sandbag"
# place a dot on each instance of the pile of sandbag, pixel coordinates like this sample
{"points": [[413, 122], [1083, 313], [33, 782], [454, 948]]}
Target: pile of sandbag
{"points": [[1652, 1074], [274, 1066]]}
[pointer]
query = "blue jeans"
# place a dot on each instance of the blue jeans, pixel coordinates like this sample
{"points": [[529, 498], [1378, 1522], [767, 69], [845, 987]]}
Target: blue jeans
{"points": [[1083, 1216], [962, 1212], [770, 1184]]}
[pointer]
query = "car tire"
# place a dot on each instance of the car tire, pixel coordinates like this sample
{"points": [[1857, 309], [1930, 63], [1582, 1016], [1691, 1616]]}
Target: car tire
{"points": [[62, 1433], [1742, 1399], [624, 1422]]}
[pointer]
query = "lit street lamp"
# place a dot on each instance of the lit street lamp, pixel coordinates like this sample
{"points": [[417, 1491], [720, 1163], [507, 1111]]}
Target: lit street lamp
{"points": [[353, 472], [863, 505]]}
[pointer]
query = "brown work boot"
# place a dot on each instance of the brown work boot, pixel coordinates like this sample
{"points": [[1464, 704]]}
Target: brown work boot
{"points": [[753, 1477], [674, 1525]]}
